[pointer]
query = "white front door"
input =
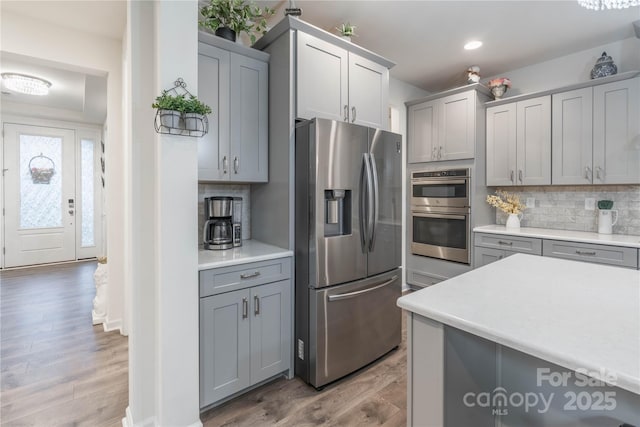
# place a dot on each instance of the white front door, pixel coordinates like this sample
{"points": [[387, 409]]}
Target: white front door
{"points": [[39, 189]]}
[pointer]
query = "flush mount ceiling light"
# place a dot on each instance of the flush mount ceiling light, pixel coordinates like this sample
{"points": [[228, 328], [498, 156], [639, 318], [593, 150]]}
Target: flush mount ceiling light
{"points": [[474, 44], [608, 4], [23, 83]]}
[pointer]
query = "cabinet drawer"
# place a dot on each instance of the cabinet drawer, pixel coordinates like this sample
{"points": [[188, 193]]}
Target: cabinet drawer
{"points": [[600, 254], [226, 279], [417, 279], [524, 245]]}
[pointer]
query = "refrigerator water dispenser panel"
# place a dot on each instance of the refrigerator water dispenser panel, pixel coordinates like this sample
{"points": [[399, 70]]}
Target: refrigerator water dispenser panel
{"points": [[337, 208]]}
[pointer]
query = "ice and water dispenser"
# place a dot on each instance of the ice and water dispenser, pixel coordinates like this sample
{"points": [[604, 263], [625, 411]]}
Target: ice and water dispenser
{"points": [[337, 212]]}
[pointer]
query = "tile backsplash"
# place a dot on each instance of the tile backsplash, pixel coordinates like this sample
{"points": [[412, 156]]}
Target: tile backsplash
{"points": [[232, 190], [563, 207]]}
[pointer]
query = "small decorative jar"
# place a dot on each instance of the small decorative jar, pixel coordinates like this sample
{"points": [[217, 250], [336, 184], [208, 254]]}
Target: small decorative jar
{"points": [[604, 67]]}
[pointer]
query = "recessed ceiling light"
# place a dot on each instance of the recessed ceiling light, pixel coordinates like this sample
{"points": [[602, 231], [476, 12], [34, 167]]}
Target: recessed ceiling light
{"points": [[473, 45], [23, 83]]}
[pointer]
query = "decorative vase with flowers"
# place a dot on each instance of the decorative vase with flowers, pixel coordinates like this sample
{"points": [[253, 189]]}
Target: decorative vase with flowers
{"points": [[510, 204], [499, 86]]}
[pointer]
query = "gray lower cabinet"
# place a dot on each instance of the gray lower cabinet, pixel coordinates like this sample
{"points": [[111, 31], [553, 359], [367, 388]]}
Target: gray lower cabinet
{"points": [[493, 247], [245, 337], [598, 254]]}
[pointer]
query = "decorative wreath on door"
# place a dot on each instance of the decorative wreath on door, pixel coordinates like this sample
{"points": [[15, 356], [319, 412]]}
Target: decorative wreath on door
{"points": [[42, 168]]}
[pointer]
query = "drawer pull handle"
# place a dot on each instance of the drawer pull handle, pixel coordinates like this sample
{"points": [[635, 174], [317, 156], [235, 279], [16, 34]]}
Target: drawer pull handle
{"points": [[245, 308], [586, 253], [250, 275], [256, 303], [502, 242]]}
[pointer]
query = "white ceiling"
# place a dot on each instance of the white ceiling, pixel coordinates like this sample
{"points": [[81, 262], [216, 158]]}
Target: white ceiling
{"points": [[424, 38]]}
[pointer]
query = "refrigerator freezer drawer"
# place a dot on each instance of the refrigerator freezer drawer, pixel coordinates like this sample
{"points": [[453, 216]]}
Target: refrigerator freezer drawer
{"points": [[356, 324]]}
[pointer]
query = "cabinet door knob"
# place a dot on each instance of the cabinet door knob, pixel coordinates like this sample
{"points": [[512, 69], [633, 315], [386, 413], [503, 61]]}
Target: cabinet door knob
{"points": [[224, 164], [236, 165], [353, 114], [346, 113], [256, 303]]}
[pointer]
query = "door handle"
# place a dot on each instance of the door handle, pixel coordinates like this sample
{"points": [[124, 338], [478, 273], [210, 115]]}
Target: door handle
{"points": [[587, 172], [598, 170], [520, 175], [440, 153], [256, 304], [502, 242], [590, 253], [346, 113], [434, 153], [374, 195], [353, 113], [224, 164], [363, 198], [236, 165], [245, 308], [511, 176], [363, 291]]}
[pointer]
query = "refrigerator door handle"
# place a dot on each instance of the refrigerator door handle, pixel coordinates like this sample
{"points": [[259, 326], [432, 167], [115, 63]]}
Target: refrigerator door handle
{"points": [[363, 291], [362, 208], [374, 195], [370, 202]]}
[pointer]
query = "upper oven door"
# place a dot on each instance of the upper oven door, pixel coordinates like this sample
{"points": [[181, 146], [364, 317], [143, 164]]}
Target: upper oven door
{"points": [[444, 192]]}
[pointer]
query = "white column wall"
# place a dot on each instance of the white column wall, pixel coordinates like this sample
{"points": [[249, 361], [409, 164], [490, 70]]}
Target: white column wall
{"points": [[163, 352], [97, 55]]}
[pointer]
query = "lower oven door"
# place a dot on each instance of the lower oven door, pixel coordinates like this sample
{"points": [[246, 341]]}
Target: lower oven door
{"points": [[441, 235], [352, 325]]}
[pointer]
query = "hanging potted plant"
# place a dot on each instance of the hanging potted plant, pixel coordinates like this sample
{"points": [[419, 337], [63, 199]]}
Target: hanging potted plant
{"points": [[194, 112], [229, 18], [170, 108]]}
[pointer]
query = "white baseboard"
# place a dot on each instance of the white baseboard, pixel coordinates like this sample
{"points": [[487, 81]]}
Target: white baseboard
{"points": [[127, 421], [112, 325]]}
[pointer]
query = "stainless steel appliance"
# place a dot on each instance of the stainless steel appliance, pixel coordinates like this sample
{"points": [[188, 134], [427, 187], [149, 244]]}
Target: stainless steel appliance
{"points": [[237, 221], [347, 236], [218, 228], [441, 214]]}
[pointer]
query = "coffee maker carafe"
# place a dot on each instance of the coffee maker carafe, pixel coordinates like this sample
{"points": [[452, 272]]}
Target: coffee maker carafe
{"points": [[218, 227]]}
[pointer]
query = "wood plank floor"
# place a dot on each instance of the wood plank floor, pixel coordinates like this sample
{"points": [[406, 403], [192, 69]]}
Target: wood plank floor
{"points": [[56, 368], [374, 396]]}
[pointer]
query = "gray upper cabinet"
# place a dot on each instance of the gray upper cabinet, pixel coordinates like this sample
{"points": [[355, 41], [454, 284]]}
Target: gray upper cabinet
{"points": [[616, 132], [236, 88], [443, 128], [572, 137], [519, 143], [596, 134], [423, 132], [334, 83]]}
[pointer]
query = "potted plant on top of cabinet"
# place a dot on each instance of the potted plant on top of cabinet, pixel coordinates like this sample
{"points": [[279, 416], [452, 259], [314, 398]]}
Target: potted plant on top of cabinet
{"points": [[228, 18]]}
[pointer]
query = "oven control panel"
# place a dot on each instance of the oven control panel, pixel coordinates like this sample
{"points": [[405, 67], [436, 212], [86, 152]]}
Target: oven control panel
{"points": [[441, 174]]}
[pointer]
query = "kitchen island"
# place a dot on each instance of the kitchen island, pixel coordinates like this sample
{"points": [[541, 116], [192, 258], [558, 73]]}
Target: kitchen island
{"points": [[526, 341]]}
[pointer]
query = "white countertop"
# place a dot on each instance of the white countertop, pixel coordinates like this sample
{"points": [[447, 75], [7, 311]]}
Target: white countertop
{"points": [[573, 236], [250, 251], [573, 314]]}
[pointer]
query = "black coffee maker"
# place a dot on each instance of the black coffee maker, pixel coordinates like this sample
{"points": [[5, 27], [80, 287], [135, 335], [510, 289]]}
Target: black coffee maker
{"points": [[218, 227]]}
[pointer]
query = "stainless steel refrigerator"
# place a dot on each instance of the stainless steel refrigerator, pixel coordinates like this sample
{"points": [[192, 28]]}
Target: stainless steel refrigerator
{"points": [[348, 236]]}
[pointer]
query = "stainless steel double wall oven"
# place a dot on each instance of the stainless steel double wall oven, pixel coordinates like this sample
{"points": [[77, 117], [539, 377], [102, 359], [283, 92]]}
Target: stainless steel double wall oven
{"points": [[440, 224]]}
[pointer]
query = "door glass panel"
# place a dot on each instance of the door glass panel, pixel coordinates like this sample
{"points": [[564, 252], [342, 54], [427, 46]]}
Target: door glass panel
{"points": [[440, 190], [87, 183], [40, 181]]}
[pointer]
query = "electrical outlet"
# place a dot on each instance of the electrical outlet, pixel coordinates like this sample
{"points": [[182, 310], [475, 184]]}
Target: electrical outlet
{"points": [[590, 204], [300, 349], [531, 202]]}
